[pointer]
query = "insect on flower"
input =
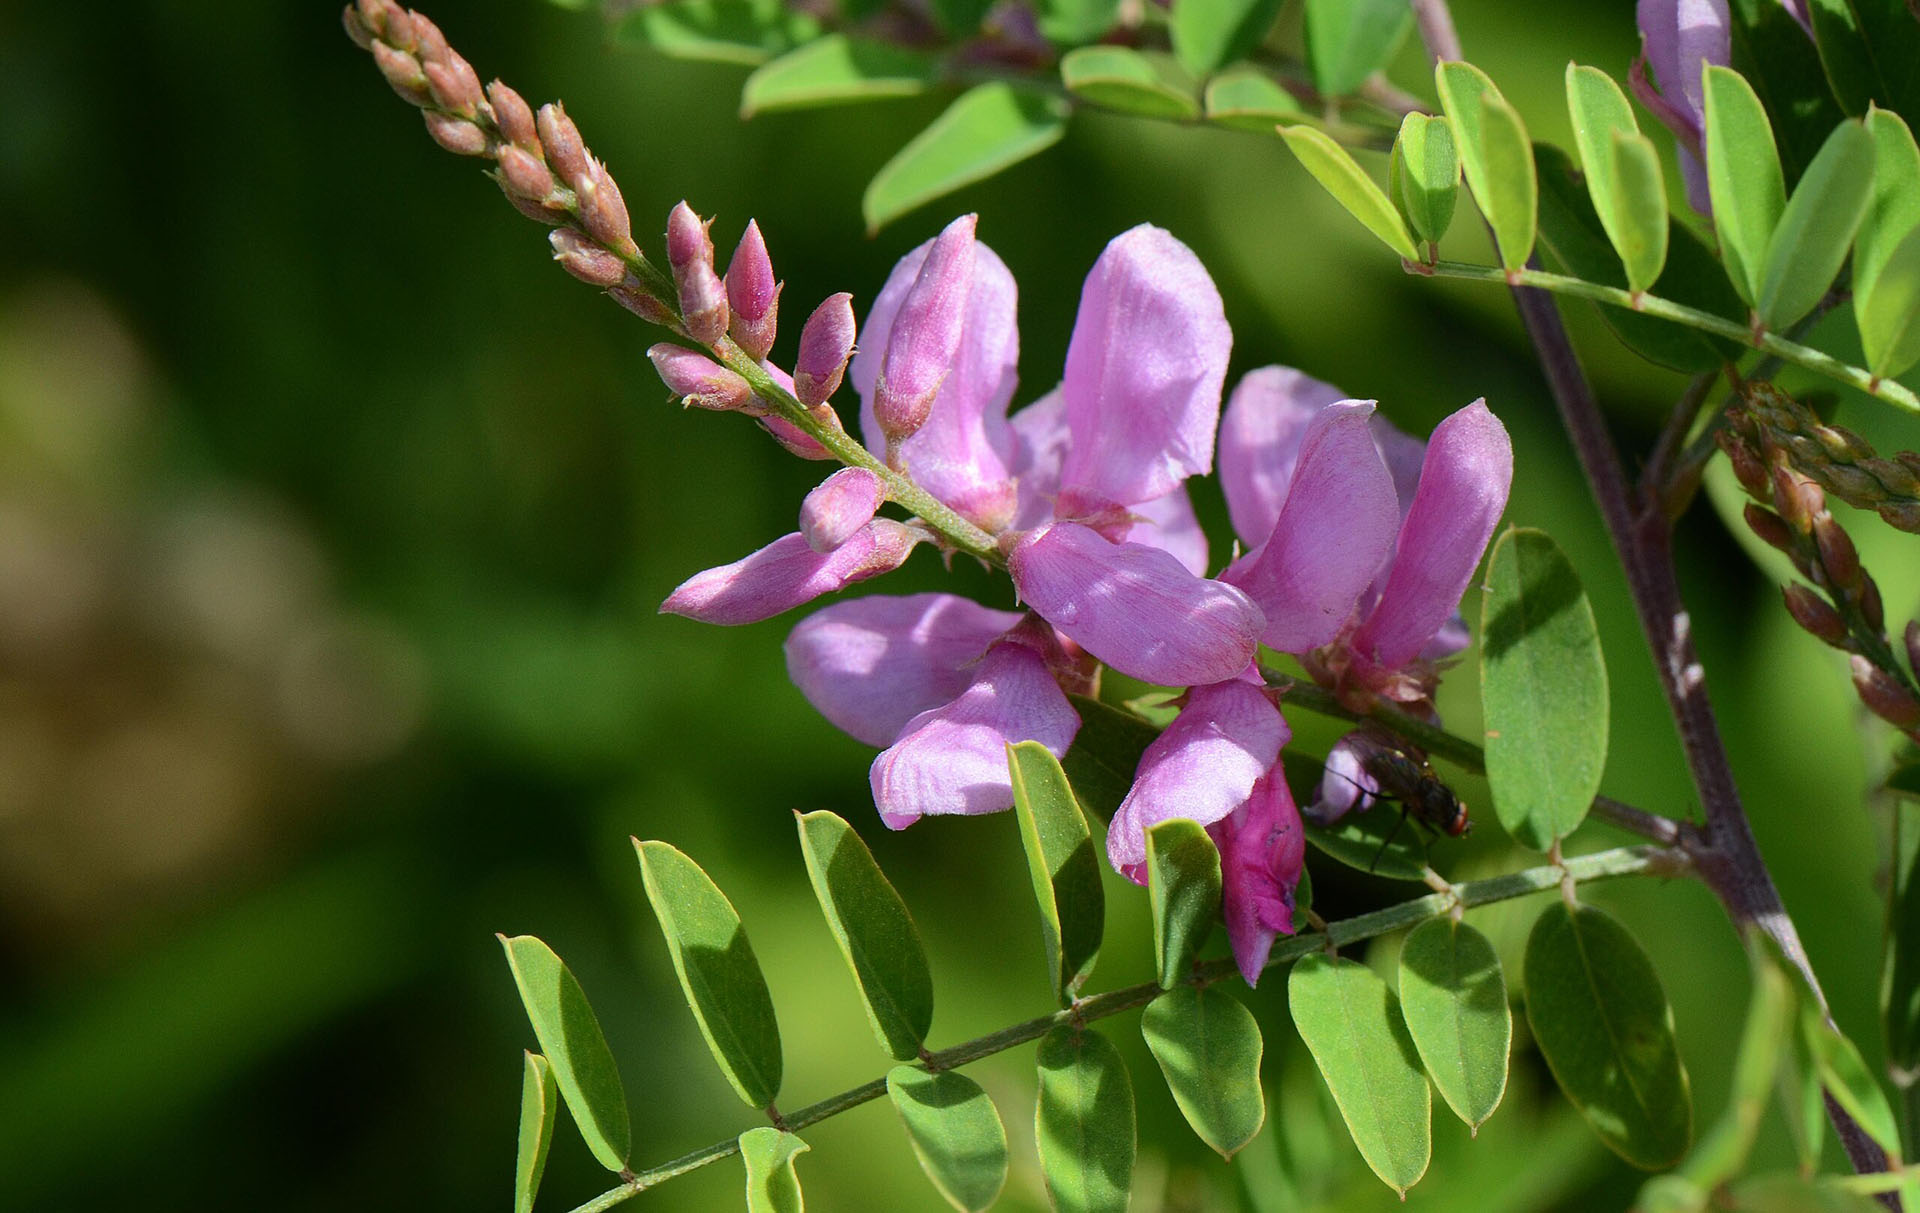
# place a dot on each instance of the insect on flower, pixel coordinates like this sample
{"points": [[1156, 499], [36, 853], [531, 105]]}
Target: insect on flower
{"points": [[1400, 772]]}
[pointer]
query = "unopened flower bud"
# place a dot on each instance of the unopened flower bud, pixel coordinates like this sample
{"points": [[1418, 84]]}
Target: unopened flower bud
{"points": [[536, 211], [455, 133], [453, 84], [1913, 646], [925, 337], [687, 239], [699, 380], [826, 342], [703, 302], [752, 294], [396, 28], [604, 212], [375, 14], [1902, 516], [522, 174], [1746, 464], [566, 152], [402, 72], [1838, 556], [1851, 483], [1791, 501], [514, 118], [1873, 608], [640, 302], [586, 260], [1884, 696], [1813, 613], [357, 28], [1767, 525], [429, 43], [842, 504]]}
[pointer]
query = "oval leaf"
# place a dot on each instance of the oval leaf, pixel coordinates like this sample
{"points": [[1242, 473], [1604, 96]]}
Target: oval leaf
{"points": [[1543, 688], [1602, 1021], [874, 931], [986, 129], [1599, 109], [1639, 229], [1893, 210], [574, 1046], [539, 1102], [1208, 1047], [1455, 1001], [718, 971], [1743, 178], [1350, 40], [1063, 865], [1846, 1077], [1334, 169], [1350, 1022], [834, 70], [955, 1131], [1083, 1123], [1126, 80], [1817, 227], [1496, 157], [1889, 312], [1425, 176], [1209, 34], [1248, 99], [772, 1185], [1183, 882]]}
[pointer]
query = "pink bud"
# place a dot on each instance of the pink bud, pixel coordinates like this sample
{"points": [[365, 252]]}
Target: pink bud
{"points": [[454, 85], [636, 300], [926, 332], [702, 382], [687, 239], [455, 133], [396, 28], [753, 294], [1812, 612], [539, 212], [402, 72], [1769, 527], [585, 260], [566, 152], [1883, 694], [523, 174], [514, 118], [604, 212], [703, 302], [826, 342], [1837, 554], [842, 504], [357, 28], [430, 43], [375, 14]]}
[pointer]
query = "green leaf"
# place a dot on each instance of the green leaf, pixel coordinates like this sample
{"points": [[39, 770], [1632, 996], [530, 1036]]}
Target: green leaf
{"points": [[1543, 689], [1869, 48], [1889, 313], [1334, 169], [1424, 175], [1083, 1123], [1350, 40], [1795, 1194], [1455, 1001], [1062, 864], [719, 31], [574, 1046], [1106, 753], [1496, 155], [1208, 1047], [1639, 208], [1183, 881], [834, 70], [539, 1101], [960, 17], [1247, 99], [1817, 228], [1601, 1019], [1847, 1079], [1803, 1104], [874, 931], [1743, 177], [955, 1131], [1350, 1022], [1779, 60], [1599, 109], [1125, 80], [1886, 251], [987, 128], [717, 970], [772, 1186], [1900, 972], [1209, 34], [1072, 22]]}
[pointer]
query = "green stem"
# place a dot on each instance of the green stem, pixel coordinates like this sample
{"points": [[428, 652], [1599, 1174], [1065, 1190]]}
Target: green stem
{"points": [[1603, 865], [1666, 309]]}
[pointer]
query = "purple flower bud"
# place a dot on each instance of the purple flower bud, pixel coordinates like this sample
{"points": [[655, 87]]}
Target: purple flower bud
{"points": [[455, 133], [539, 212], [643, 304], [1913, 646], [703, 383], [514, 118], [703, 302], [566, 152], [357, 28], [1884, 696], [454, 85], [753, 294], [926, 332], [826, 342], [586, 260], [842, 504], [1812, 613], [1792, 503], [787, 573], [402, 72], [1837, 554], [522, 173], [1873, 609], [687, 239], [1768, 526], [604, 212]]}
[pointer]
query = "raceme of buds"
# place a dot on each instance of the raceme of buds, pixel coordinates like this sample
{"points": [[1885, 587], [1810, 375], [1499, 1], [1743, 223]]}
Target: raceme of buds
{"points": [[700, 381], [826, 342], [926, 332], [566, 152], [1812, 612], [842, 504], [1884, 696], [752, 293], [586, 260]]}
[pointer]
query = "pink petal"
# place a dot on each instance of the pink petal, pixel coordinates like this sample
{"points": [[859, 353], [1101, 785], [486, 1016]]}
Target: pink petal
{"points": [[1332, 536], [869, 665], [1682, 36], [1346, 786], [953, 758], [1463, 489], [924, 338], [841, 504], [787, 572], [1203, 767], [1169, 523], [1263, 849], [1135, 607], [1260, 440], [1144, 371], [1403, 455], [1040, 440]]}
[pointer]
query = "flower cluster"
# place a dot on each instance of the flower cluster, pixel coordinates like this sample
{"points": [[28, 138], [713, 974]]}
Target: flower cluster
{"points": [[1358, 543]]}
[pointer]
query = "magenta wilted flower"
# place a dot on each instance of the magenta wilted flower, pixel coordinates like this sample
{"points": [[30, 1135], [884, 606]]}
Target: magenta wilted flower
{"points": [[1680, 38]]}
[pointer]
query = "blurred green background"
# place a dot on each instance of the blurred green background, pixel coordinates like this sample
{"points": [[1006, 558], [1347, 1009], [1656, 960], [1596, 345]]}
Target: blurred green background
{"points": [[333, 520]]}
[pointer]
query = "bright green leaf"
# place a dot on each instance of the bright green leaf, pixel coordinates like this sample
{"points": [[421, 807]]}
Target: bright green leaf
{"points": [[1846, 1078], [1639, 209], [834, 70], [1083, 1123], [1208, 1047], [1817, 228], [1869, 49], [955, 1131], [1123, 79], [1074, 22], [1599, 108], [1886, 251], [1743, 177], [1889, 313], [1455, 1001], [1209, 34], [1601, 1019], [1777, 58], [717, 969], [539, 1102], [874, 931], [1496, 157], [1543, 688], [1350, 40], [720, 31], [1333, 168], [1062, 864], [1105, 754], [1183, 882], [574, 1046], [1350, 1022], [986, 129], [772, 1185], [1247, 99], [1425, 175], [1900, 973]]}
